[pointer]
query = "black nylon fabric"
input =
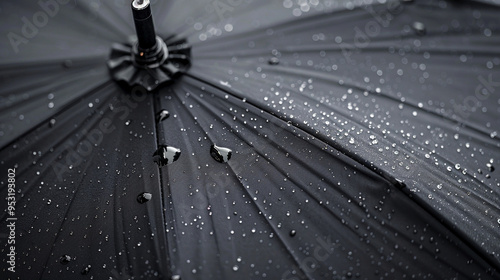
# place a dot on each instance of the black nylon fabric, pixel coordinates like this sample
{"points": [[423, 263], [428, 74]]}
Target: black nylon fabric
{"points": [[364, 144]]}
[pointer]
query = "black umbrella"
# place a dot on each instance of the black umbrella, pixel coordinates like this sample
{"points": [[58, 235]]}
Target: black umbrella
{"points": [[281, 140]]}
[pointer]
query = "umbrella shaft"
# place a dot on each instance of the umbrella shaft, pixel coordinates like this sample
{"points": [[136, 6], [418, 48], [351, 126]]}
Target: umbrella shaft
{"points": [[144, 25]]}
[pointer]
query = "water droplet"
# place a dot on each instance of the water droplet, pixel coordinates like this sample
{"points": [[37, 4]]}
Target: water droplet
{"points": [[144, 197], [293, 233], [166, 155], [175, 277], [127, 123], [273, 61], [52, 122], [86, 270], [162, 115], [65, 259], [419, 28], [220, 154], [491, 168], [235, 268]]}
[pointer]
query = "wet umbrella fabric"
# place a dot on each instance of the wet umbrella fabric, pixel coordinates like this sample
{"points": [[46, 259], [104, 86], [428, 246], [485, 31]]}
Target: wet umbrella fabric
{"points": [[356, 152]]}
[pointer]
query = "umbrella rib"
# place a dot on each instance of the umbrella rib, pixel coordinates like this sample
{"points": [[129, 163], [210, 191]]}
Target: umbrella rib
{"points": [[258, 207], [281, 238], [207, 195], [159, 132]]}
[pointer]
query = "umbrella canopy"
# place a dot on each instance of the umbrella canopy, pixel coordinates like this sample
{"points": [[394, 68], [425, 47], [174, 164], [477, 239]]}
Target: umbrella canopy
{"points": [[307, 140]]}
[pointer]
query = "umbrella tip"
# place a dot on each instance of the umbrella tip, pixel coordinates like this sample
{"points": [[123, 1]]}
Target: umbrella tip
{"points": [[140, 4], [147, 61]]}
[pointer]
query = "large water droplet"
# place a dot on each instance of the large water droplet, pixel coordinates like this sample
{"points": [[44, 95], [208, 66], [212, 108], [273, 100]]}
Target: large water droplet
{"points": [[175, 277], [166, 155], [144, 197], [273, 61], [65, 259], [419, 28], [162, 115], [220, 154], [293, 233]]}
